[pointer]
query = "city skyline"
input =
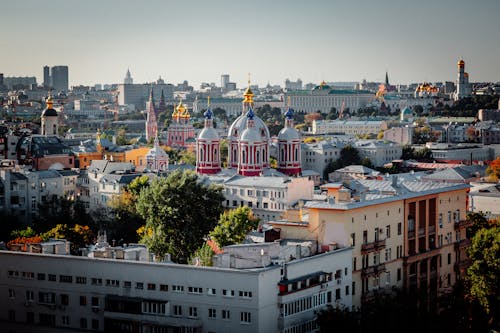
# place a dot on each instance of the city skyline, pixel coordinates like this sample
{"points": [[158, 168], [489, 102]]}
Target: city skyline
{"points": [[196, 41]]}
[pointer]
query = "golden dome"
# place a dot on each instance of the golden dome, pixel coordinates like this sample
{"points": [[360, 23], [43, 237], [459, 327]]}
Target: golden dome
{"points": [[461, 63], [248, 94], [50, 103]]}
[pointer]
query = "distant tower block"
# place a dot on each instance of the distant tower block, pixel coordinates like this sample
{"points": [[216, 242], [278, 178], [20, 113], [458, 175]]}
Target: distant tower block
{"points": [[128, 78], [464, 88]]}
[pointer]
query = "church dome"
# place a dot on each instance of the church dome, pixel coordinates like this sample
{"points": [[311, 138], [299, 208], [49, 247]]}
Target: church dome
{"points": [[156, 151], [250, 135], [49, 110], [240, 124], [208, 134], [288, 133]]}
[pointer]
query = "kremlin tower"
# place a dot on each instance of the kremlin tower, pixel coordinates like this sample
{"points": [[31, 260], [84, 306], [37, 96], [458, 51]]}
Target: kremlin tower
{"points": [[151, 124], [289, 147], [180, 130], [207, 147]]}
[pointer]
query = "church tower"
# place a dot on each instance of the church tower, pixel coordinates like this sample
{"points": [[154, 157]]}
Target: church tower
{"points": [[50, 119], [463, 85], [180, 129], [157, 158], [207, 147], [289, 147], [252, 155], [128, 78], [151, 125]]}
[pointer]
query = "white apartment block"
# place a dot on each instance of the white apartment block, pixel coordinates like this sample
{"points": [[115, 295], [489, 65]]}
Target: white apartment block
{"points": [[74, 293], [268, 196], [316, 156], [378, 151], [443, 152], [349, 127]]}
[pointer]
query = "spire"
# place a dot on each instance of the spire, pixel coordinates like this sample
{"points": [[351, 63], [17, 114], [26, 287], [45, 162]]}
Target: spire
{"points": [[151, 126], [386, 79], [248, 94], [50, 103]]}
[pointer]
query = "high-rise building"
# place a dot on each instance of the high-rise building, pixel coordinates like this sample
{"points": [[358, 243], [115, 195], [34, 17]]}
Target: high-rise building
{"points": [[46, 76], [128, 78], [224, 80], [59, 78]]}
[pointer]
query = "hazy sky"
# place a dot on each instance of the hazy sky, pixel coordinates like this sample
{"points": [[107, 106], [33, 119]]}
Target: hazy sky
{"points": [[334, 40]]}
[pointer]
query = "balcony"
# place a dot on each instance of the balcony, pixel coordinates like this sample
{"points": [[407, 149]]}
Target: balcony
{"points": [[373, 246], [372, 270], [463, 224], [462, 244]]}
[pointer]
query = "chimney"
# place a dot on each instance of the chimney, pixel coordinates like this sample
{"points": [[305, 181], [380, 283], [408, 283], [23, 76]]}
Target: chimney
{"points": [[395, 181]]}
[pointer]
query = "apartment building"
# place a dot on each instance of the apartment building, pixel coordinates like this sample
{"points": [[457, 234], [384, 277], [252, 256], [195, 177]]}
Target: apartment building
{"points": [[350, 127], [404, 234], [98, 294]]}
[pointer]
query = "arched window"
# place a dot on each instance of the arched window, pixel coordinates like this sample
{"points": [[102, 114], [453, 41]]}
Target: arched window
{"points": [[215, 154], [296, 154], [243, 156], [282, 154], [234, 155], [258, 157], [54, 129]]}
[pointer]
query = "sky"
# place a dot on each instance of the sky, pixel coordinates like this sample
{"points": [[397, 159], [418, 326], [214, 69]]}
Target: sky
{"points": [[314, 40]]}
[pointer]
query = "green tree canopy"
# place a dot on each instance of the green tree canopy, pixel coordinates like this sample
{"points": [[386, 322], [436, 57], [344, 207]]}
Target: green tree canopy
{"points": [[233, 226], [179, 212], [485, 269]]}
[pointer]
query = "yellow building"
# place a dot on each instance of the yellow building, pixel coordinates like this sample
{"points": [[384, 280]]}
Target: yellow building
{"points": [[137, 156], [407, 235]]}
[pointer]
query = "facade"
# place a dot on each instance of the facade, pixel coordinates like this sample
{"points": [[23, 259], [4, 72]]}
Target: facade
{"points": [[461, 153], [112, 295], [59, 78], [407, 234], [350, 127], [401, 135], [378, 151], [323, 98], [24, 81], [268, 195], [137, 94], [316, 156]]}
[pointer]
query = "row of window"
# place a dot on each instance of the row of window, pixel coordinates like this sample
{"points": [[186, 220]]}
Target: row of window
{"points": [[256, 193], [305, 303], [47, 319]]}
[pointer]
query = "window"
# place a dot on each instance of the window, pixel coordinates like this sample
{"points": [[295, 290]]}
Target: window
{"points": [[195, 290], [399, 229], [83, 322], [151, 286], [95, 301], [65, 320], [40, 276], [177, 310], [388, 231], [211, 291], [96, 281], [47, 319], [163, 287], [81, 280], [83, 300], [337, 294], [193, 312], [353, 288], [388, 277], [245, 294], [212, 313], [353, 239], [52, 277], [399, 274], [139, 285], [127, 284], [95, 324], [12, 315], [65, 278], [30, 295], [245, 317], [178, 289], [12, 293], [64, 299], [226, 314], [365, 236], [354, 264], [30, 317], [46, 298], [449, 258], [112, 283], [228, 292]]}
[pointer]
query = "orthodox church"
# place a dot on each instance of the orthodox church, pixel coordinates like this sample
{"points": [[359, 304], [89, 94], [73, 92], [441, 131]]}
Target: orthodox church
{"points": [[248, 144], [180, 130]]}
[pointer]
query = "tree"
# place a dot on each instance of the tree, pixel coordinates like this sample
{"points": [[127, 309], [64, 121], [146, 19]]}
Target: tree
{"points": [[202, 256], [348, 156], [79, 236], [233, 226], [179, 212], [408, 153], [485, 269], [493, 170], [187, 157], [121, 138]]}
